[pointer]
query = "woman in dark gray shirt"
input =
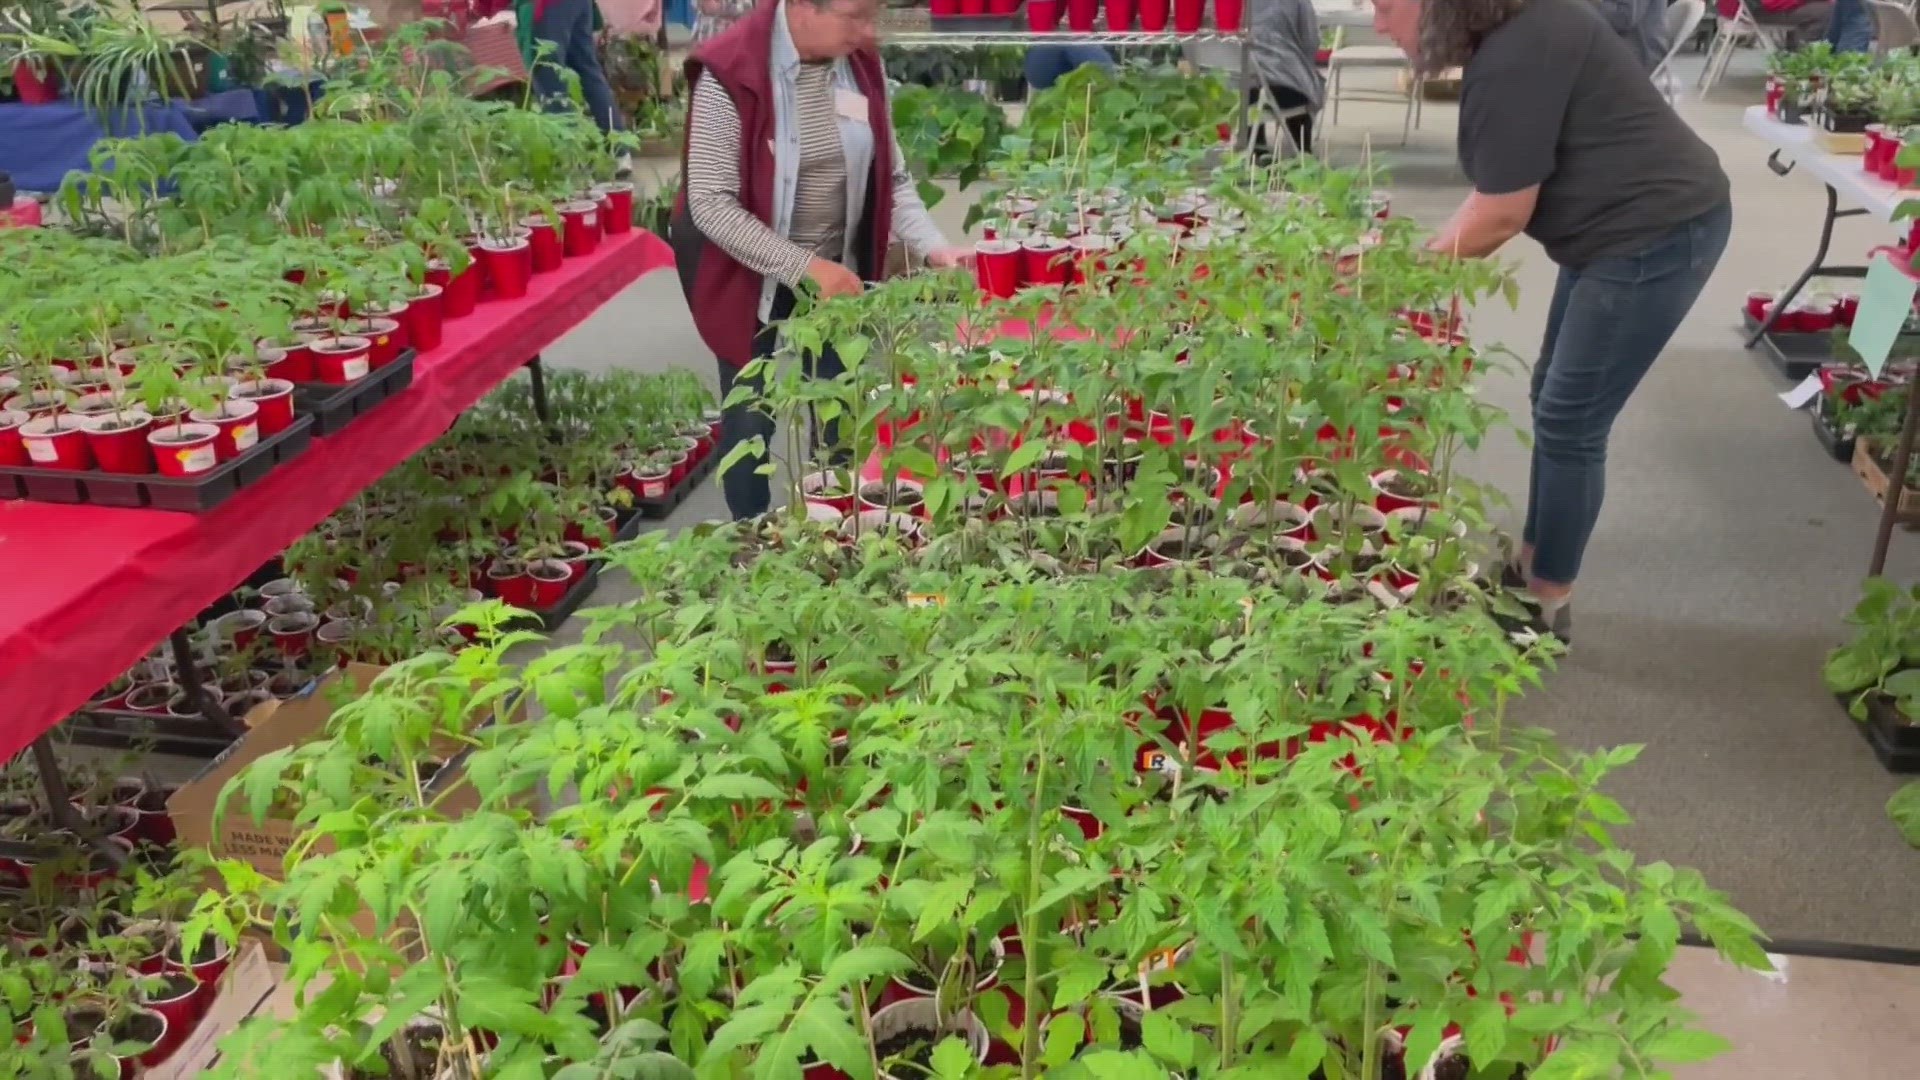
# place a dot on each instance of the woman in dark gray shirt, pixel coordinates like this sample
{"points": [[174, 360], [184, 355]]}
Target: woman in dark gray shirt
{"points": [[1565, 139]]}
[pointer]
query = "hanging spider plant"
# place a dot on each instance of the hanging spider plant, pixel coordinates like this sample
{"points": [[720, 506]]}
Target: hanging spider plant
{"points": [[128, 60]]}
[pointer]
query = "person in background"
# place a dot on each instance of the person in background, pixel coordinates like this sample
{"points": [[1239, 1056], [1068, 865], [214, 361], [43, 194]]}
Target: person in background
{"points": [[1048, 64], [792, 175], [567, 26], [716, 15], [1564, 138], [1642, 24], [1284, 38], [1801, 20], [1851, 28]]}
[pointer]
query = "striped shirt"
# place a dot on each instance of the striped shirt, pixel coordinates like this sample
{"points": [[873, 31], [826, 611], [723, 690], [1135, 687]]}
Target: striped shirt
{"points": [[818, 225]]}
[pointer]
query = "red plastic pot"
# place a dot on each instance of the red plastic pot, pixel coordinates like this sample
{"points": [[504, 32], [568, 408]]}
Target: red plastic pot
{"points": [[57, 441], [181, 1011], [1775, 91], [1043, 16], [510, 584], [943, 9], [508, 265], [1757, 304], [292, 633], [580, 228], [549, 579], [546, 250], [653, 483], [338, 361], [295, 363], [425, 319], [616, 208], [1876, 148], [385, 338], [1889, 164], [207, 972], [1046, 262], [1080, 15], [34, 89], [118, 442], [461, 291], [1120, 14], [1186, 15], [239, 424], [273, 398], [1153, 15], [38, 403], [1227, 14], [12, 450], [181, 450], [997, 266], [973, 7], [1845, 307]]}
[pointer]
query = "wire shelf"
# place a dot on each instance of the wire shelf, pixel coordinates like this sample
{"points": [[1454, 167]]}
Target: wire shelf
{"points": [[960, 39]]}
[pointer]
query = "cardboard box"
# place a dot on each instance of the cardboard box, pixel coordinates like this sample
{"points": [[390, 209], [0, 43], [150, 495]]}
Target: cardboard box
{"points": [[271, 726], [249, 982], [1867, 467]]}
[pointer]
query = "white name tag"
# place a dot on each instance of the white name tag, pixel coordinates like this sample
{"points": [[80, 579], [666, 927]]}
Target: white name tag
{"points": [[851, 105]]}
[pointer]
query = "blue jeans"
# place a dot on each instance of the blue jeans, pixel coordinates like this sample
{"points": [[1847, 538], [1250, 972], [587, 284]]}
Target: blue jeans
{"points": [[1608, 322], [747, 491], [1850, 29], [568, 26], [1046, 64]]}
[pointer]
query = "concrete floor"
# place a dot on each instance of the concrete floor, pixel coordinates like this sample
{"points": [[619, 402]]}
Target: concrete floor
{"points": [[1729, 551]]}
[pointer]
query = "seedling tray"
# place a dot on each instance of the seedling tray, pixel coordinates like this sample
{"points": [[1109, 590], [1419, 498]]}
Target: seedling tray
{"points": [[1838, 445], [1895, 742], [1795, 354], [192, 495], [1867, 467], [334, 407], [658, 509], [124, 729]]}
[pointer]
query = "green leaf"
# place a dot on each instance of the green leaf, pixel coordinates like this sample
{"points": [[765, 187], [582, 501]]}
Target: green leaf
{"points": [[952, 1059], [1904, 809], [1080, 975], [1164, 1038], [1064, 1034], [863, 964], [1023, 458], [1685, 1046], [734, 787]]}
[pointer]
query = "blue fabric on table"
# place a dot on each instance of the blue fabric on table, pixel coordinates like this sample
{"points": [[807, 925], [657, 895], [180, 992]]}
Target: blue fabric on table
{"points": [[40, 144], [220, 108]]}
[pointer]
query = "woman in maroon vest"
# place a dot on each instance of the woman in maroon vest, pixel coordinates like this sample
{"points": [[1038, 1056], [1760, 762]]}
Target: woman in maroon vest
{"points": [[792, 175]]}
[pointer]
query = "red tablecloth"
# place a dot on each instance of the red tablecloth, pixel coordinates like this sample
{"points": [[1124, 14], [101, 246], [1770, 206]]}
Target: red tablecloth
{"points": [[85, 591]]}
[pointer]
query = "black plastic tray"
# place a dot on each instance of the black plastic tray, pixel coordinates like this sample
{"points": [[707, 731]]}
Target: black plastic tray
{"points": [[966, 24], [1895, 743], [1838, 446], [626, 528], [334, 407], [658, 509], [192, 495]]}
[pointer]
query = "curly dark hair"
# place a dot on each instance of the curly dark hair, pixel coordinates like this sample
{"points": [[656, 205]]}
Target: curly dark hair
{"points": [[1450, 30]]}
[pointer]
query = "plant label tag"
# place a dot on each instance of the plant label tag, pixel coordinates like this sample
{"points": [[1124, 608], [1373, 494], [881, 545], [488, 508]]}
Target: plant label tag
{"points": [[925, 600], [590, 218], [42, 451], [1807, 390], [195, 459], [245, 436], [355, 369], [851, 105], [653, 489]]}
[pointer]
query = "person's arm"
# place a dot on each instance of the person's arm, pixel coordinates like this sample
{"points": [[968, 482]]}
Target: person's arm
{"points": [[1511, 111], [713, 191]]}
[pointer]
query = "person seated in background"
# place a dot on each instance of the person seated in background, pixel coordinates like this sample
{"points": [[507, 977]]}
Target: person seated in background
{"points": [[1851, 28], [1642, 24], [1802, 20], [1048, 64], [1283, 38]]}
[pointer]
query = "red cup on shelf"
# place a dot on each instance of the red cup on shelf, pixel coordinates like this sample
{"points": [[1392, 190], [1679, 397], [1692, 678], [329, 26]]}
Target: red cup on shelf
{"points": [[508, 265], [183, 450], [273, 398], [57, 441], [12, 450], [547, 252], [1186, 15], [338, 361], [1817, 316], [997, 267], [1775, 91], [973, 7], [118, 442], [580, 228], [1227, 14], [461, 292], [1043, 16], [1876, 148], [1845, 307], [295, 364], [425, 320], [1120, 15], [616, 208], [292, 633], [943, 9], [1153, 15], [1047, 261], [1080, 15], [239, 424]]}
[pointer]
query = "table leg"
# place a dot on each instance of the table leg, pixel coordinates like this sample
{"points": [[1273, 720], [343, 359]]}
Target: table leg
{"points": [[188, 672], [60, 800], [1817, 266], [538, 373], [1896, 485]]}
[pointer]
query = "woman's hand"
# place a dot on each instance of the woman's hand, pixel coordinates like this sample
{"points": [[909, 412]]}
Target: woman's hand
{"points": [[947, 258], [832, 279]]}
